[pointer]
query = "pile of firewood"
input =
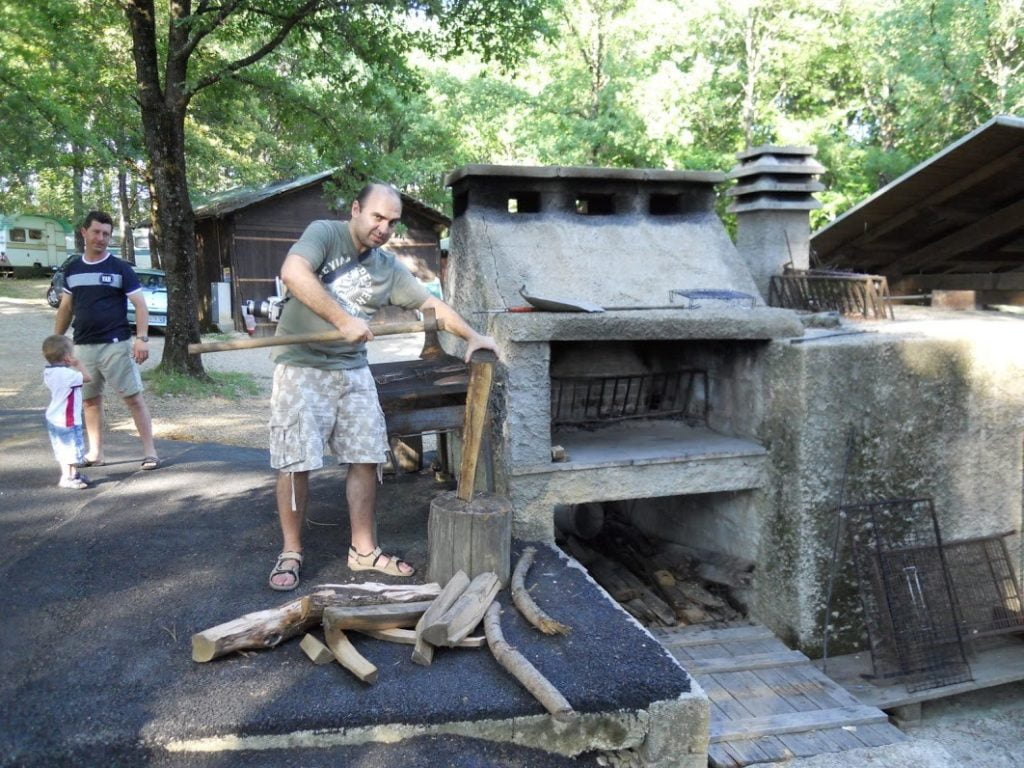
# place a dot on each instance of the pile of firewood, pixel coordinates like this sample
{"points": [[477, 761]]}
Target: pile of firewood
{"points": [[423, 616], [662, 583]]}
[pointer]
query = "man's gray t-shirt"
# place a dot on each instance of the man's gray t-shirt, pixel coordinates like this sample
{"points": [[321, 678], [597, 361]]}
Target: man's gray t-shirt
{"points": [[360, 286]]}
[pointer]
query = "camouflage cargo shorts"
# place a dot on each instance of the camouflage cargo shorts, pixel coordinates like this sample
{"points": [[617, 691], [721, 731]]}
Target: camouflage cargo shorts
{"points": [[312, 410]]}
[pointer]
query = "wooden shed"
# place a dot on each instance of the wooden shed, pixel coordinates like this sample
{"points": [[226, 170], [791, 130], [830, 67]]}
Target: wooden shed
{"points": [[955, 222], [243, 236]]}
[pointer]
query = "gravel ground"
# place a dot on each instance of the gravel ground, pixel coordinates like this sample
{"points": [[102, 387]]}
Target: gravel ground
{"points": [[24, 323]]}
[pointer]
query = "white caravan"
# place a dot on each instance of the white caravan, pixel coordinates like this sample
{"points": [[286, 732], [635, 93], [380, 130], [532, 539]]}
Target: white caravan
{"points": [[31, 245]]}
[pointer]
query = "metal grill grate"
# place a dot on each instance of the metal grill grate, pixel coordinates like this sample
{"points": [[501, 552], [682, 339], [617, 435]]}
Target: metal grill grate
{"points": [[987, 591], [849, 294], [907, 593], [592, 399]]}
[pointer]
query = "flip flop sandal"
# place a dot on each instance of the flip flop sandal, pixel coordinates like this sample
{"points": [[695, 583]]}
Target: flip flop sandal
{"points": [[291, 570], [91, 463], [368, 562], [150, 462]]}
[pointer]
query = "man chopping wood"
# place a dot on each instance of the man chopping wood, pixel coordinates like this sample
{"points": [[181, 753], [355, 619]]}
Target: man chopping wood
{"points": [[324, 397]]}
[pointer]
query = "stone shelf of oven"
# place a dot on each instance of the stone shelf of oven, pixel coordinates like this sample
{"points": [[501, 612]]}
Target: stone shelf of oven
{"points": [[699, 322], [644, 459]]}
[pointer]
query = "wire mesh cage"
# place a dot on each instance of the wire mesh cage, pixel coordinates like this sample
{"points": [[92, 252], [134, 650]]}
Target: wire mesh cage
{"points": [[987, 591], [907, 593], [681, 393]]}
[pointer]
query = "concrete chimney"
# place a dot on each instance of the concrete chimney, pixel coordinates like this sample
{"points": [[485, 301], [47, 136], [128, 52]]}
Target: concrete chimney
{"points": [[773, 194]]}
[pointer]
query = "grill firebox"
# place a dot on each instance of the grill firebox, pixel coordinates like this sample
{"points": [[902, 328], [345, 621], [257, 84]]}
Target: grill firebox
{"points": [[656, 397]]}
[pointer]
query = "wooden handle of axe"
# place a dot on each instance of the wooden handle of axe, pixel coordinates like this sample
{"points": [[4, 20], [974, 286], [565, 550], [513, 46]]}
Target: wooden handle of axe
{"points": [[379, 329]]}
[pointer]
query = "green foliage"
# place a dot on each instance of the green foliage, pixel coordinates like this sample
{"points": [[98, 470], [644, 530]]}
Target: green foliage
{"points": [[231, 386], [406, 91]]}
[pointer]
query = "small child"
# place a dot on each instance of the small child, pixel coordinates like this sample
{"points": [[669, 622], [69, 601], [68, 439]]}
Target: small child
{"points": [[64, 376]]}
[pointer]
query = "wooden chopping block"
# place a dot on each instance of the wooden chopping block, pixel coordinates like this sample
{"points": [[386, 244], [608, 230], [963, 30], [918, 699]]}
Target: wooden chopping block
{"points": [[464, 533]]}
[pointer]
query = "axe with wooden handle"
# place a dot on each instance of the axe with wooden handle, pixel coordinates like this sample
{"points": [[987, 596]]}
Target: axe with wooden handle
{"points": [[378, 329]]}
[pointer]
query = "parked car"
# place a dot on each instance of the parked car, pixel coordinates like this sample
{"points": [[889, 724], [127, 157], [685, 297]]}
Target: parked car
{"points": [[56, 287], [154, 291]]}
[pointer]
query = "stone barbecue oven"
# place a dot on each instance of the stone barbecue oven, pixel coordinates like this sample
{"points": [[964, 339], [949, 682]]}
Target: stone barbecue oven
{"points": [[658, 395]]}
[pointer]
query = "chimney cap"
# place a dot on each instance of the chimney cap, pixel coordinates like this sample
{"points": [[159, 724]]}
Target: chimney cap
{"points": [[584, 172], [776, 149]]}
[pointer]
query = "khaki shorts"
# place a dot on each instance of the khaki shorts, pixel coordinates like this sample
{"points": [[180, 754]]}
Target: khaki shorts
{"points": [[109, 364], [312, 410]]}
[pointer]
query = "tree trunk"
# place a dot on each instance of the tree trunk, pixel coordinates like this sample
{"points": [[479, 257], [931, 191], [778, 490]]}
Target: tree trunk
{"points": [[163, 125], [77, 198], [127, 232]]}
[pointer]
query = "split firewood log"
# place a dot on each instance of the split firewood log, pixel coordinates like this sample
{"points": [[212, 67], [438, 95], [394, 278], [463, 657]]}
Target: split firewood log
{"points": [[268, 628], [317, 652], [522, 670], [408, 637], [345, 652], [697, 594], [386, 616], [466, 612], [423, 652], [524, 602]]}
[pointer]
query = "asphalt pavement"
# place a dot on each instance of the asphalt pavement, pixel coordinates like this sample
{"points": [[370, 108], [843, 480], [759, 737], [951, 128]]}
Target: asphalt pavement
{"points": [[104, 588]]}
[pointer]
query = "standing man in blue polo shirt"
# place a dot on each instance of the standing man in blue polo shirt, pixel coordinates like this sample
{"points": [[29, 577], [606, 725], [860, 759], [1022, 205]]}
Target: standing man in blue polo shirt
{"points": [[94, 295]]}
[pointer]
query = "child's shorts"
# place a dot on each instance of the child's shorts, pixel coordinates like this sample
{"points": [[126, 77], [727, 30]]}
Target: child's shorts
{"points": [[68, 443]]}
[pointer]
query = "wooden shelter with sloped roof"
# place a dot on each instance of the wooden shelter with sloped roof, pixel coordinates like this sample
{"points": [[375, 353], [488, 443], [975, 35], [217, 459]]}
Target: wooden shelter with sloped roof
{"points": [[243, 236], [955, 222]]}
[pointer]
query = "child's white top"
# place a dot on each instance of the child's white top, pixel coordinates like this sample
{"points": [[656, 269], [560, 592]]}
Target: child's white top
{"points": [[65, 385]]}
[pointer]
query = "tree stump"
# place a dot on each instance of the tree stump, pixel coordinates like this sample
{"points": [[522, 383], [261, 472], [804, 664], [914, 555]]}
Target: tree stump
{"points": [[471, 536]]}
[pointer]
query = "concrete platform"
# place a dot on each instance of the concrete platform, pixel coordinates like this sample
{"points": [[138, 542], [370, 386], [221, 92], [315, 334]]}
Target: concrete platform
{"points": [[104, 588]]}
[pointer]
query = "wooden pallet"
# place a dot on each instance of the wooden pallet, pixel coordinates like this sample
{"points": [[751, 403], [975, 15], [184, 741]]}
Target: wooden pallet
{"points": [[993, 661], [769, 703]]}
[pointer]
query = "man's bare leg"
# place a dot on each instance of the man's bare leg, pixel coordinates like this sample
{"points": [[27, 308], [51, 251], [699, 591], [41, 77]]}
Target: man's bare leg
{"points": [[291, 486], [92, 415], [143, 423], [361, 493]]}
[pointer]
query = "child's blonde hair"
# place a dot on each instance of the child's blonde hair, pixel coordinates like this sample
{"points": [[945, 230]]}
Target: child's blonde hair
{"points": [[56, 348]]}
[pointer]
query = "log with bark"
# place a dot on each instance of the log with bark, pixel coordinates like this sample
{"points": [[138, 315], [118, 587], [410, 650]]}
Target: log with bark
{"points": [[267, 628], [522, 670], [524, 602]]}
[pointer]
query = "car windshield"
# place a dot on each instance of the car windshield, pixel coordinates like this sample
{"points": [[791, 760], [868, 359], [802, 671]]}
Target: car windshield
{"points": [[153, 282]]}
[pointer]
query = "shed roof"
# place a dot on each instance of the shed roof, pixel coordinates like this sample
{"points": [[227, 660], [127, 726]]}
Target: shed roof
{"points": [[231, 200], [961, 212]]}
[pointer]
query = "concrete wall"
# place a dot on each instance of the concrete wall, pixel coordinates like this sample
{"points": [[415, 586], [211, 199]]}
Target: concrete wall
{"points": [[936, 409]]}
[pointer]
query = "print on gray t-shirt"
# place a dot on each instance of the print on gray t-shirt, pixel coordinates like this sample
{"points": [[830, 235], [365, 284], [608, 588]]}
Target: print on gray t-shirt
{"points": [[360, 286]]}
